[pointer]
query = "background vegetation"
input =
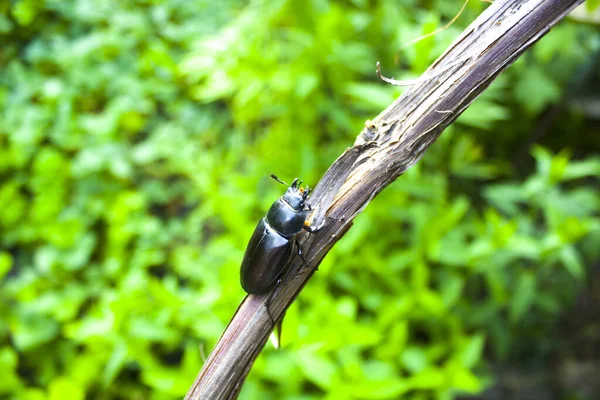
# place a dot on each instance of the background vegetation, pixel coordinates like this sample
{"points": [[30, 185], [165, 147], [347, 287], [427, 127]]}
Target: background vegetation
{"points": [[136, 141]]}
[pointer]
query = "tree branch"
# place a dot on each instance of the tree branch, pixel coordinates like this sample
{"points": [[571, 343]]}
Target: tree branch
{"points": [[387, 146]]}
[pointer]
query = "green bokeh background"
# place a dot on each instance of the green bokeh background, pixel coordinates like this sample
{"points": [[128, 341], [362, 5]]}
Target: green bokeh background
{"points": [[136, 141]]}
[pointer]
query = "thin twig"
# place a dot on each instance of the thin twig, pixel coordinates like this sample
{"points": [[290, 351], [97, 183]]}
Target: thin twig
{"points": [[422, 37]]}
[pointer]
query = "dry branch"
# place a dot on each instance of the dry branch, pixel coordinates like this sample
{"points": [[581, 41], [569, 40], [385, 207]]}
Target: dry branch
{"points": [[386, 147]]}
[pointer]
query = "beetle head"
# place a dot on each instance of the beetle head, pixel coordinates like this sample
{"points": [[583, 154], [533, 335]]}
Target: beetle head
{"points": [[296, 195]]}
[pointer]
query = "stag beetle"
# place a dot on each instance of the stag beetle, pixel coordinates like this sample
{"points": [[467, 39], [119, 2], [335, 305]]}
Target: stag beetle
{"points": [[270, 248]]}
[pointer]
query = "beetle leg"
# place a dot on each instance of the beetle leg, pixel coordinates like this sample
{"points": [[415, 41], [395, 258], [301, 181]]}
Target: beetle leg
{"points": [[283, 276], [311, 229], [306, 265], [300, 254]]}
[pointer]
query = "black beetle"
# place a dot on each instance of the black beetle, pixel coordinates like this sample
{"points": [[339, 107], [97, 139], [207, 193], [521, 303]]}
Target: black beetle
{"points": [[270, 248]]}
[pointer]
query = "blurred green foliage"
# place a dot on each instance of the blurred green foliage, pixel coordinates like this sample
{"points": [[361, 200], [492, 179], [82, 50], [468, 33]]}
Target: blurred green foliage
{"points": [[136, 139]]}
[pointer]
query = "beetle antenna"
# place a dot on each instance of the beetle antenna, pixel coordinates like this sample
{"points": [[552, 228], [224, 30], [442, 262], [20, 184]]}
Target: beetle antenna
{"points": [[278, 180]]}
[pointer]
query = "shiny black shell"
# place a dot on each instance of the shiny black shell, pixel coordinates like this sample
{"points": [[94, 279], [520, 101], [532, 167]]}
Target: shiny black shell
{"points": [[265, 259], [285, 219], [270, 247]]}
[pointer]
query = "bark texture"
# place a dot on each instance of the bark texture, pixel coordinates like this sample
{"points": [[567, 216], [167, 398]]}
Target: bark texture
{"points": [[387, 146]]}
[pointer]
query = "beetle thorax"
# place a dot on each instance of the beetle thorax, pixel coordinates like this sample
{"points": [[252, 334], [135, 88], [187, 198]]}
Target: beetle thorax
{"points": [[285, 219]]}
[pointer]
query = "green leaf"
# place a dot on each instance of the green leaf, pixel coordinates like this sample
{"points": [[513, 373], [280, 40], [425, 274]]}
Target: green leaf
{"points": [[505, 197], [64, 388], [572, 262], [582, 169], [483, 114], [431, 302], [472, 350], [429, 378], [8, 363], [24, 11], [317, 368], [379, 389], [32, 330], [536, 90], [451, 289], [523, 297], [370, 96], [6, 263], [414, 359], [592, 5], [465, 380], [115, 363]]}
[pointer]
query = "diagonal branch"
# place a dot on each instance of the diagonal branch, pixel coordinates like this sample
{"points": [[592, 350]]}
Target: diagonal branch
{"points": [[387, 146]]}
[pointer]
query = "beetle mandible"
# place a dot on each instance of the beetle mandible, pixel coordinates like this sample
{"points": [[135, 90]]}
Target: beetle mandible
{"points": [[270, 248]]}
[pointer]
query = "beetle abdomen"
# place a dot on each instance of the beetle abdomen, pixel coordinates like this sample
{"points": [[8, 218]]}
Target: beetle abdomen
{"points": [[267, 255]]}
